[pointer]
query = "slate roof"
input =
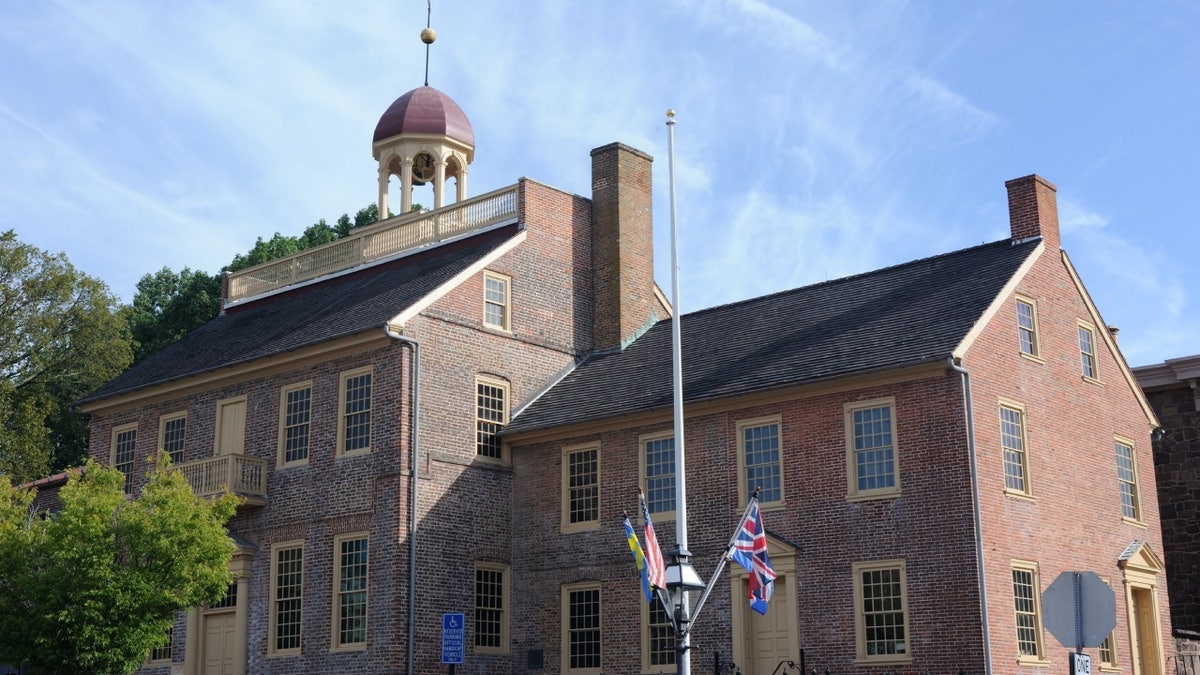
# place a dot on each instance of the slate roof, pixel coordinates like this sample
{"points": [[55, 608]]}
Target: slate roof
{"points": [[904, 315], [328, 310]]}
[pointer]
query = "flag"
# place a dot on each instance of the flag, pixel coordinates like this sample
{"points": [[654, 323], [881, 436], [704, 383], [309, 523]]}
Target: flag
{"points": [[639, 559], [749, 549], [654, 560]]}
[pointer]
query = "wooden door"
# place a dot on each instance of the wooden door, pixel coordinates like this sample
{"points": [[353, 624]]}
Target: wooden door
{"points": [[220, 643]]}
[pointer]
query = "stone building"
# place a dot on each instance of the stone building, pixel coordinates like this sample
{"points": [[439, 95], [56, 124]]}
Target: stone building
{"points": [[448, 412], [1171, 389]]}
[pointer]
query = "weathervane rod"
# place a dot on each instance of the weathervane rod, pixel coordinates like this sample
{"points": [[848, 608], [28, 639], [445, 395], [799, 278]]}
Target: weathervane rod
{"points": [[427, 36]]}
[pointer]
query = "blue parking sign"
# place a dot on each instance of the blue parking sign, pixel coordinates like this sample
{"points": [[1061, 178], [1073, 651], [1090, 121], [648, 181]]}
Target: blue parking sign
{"points": [[453, 635]]}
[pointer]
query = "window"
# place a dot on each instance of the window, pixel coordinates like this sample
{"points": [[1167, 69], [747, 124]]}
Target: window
{"points": [[1012, 440], [1027, 327], [163, 653], [581, 628], [495, 300], [658, 638], [581, 488], [1127, 480], [658, 473], [295, 414], [758, 445], [871, 449], [1087, 353], [1107, 650], [1027, 605], [881, 618], [350, 591], [124, 442], [491, 413], [491, 608], [287, 593], [354, 421], [171, 430]]}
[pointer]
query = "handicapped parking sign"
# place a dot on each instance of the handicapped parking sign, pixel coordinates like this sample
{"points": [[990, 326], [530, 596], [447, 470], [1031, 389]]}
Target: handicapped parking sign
{"points": [[453, 635]]}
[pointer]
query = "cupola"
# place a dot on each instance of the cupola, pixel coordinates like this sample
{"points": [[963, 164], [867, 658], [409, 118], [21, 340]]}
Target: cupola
{"points": [[423, 137]]}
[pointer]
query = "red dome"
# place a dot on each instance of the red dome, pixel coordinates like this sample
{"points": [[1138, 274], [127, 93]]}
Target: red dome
{"points": [[425, 110]]}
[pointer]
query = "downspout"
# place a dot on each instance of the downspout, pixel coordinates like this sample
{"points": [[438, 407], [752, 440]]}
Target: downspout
{"points": [[983, 605], [412, 489]]}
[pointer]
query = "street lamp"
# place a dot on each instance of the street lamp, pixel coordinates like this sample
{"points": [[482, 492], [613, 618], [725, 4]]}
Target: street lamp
{"points": [[681, 580]]}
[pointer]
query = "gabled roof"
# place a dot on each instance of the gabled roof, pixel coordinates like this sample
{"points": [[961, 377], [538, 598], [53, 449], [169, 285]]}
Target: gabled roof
{"points": [[324, 311], [905, 315]]}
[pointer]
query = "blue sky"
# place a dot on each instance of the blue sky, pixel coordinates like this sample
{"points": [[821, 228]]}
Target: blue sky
{"points": [[815, 139]]}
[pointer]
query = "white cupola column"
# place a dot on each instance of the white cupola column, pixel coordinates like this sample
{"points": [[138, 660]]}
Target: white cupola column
{"points": [[460, 184], [406, 185], [439, 184], [385, 177]]}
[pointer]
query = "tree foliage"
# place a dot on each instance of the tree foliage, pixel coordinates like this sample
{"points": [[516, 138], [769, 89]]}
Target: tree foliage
{"points": [[94, 587], [62, 334]]}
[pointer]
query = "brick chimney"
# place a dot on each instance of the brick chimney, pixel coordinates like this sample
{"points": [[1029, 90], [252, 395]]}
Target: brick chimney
{"points": [[622, 245], [1033, 209]]}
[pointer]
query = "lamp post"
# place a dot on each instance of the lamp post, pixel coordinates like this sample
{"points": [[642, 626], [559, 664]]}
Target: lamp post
{"points": [[682, 580]]}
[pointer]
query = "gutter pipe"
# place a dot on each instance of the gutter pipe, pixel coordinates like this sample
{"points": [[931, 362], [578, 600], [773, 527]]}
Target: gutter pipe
{"points": [[412, 490], [983, 605]]}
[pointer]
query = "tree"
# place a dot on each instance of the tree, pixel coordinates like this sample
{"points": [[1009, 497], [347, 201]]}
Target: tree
{"points": [[168, 306], [62, 334], [94, 587]]}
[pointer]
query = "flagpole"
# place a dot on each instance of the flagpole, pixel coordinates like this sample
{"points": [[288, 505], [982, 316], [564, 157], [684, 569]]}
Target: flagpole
{"points": [[683, 638]]}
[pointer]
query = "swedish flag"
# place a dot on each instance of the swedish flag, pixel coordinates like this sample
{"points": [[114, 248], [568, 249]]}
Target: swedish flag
{"points": [[639, 559]]}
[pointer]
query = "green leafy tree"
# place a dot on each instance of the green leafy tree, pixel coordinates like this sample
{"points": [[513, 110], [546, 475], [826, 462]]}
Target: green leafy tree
{"points": [[168, 306], [94, 587], [62, 334]]}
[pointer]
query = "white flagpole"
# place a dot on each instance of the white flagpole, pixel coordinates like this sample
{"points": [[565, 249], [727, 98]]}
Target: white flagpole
{"points": [[683, 655]]}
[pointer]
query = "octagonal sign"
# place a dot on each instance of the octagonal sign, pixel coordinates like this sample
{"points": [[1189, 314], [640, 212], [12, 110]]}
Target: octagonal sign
{"points": [[1079, 599]]}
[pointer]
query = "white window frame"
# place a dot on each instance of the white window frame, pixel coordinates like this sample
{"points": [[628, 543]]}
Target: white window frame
{"points": [[336, 636], [1027, 491], [273, 608], [344, 381], [1031, 568], [505, 304], [503, 386], [281, 455], [643, 468], [744, 488], [853, 492], [583, 525], [1089, 359], [117, 432], [567, 590], [1033, 330], [163, 421], [505, 609], [860, 620]]}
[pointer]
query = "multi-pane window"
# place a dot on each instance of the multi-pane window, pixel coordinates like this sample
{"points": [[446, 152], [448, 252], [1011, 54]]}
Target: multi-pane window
{"points": [[1012, 440], [759, 445], [350, 598], [1027, 327], [871, 448], [1087, 352], [1027, 605], [163, 653], [287, 593], [171, 433], [1127, 480], [230, 599], [658, 472], [491, 413], [1107, 650], [295, 411], [495, 300], [491, 608], [124, 441], [581, 484], [660, 638], [582, 629], [882, 616], [355, 426]]}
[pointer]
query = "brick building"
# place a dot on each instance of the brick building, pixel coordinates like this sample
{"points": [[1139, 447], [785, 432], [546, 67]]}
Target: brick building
{"points": [[1171, 389], [448, 411]]}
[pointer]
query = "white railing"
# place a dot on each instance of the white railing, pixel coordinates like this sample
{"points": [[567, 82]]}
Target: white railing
{"points": [[239, 474], [375, 242]]}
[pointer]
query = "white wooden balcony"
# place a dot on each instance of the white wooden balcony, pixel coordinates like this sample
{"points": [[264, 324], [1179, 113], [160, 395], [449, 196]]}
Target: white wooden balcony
{"points": [[381, 241], [243, 476]]}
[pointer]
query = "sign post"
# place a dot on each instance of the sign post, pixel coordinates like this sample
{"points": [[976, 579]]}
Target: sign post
{"points": [[453, 631]]}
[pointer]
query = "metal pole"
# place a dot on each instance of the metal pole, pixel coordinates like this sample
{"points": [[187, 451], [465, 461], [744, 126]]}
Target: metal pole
{"points": [[683, 659]]}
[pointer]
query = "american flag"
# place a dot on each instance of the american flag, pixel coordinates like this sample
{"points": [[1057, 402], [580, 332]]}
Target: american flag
{"points": [[654, 558], [750, 551]]}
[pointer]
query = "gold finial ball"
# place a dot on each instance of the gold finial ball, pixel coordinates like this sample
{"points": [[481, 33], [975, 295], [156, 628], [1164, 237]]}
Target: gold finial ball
{"points": [[428, 36], [670, 113]]}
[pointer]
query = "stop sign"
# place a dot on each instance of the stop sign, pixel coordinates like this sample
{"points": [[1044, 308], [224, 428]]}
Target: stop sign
{"points": [[1079, 599]]}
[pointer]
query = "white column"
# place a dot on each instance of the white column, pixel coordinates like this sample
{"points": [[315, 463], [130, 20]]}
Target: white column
{"points": [[439, 184], [405, 186], [385, 177], [460, 185]]}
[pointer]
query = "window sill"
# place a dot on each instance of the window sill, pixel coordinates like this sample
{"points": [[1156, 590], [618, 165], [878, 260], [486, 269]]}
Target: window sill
{"points": [[283, 654], [890, 493], [1092, 380], [1133, 522], [1034, 661], [1022, 496], [292, 465], [589, 526], [1031, 357], [1110, 669], [354, 453], [897, 659], [348, 648]]}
